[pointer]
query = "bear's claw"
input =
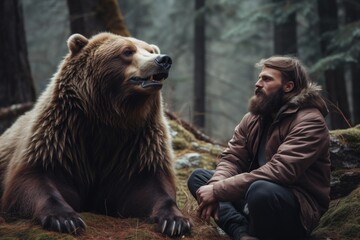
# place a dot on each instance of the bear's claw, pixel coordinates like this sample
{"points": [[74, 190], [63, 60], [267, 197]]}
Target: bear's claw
{"points": [[73, 225], [175, 227]]}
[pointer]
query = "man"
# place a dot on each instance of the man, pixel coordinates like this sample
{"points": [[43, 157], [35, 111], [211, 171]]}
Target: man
{"points": [[273, 179]]}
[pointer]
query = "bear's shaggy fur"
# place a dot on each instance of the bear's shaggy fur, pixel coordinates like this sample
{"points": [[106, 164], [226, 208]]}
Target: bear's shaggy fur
{"points": [[96, 141]]}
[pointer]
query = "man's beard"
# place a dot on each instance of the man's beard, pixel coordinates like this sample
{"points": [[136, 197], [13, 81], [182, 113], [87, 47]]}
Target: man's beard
{"points": [[266, 105]]}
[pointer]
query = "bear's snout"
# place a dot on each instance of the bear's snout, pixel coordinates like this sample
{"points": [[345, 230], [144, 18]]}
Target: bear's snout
{"points": [[164, 61]]}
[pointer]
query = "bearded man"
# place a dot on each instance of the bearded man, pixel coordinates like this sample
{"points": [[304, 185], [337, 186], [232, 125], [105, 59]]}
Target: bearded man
{"points": [[273, 179]]}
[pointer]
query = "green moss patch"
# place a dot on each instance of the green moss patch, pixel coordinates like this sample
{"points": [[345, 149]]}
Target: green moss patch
{"points": [[342, 220], [349, 137]]}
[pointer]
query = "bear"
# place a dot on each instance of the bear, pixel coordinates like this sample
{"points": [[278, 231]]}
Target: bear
{"points": [[96, 140]]}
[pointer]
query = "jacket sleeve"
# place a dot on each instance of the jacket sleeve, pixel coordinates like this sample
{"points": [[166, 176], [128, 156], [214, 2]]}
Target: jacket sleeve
{"points": [[234, 159], [306, 141]]}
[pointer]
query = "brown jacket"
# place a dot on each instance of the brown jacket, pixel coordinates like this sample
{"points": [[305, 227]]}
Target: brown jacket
{"points": [[297, 155]]}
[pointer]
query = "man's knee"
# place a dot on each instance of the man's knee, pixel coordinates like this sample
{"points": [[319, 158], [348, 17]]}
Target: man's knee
{"points": [[271, 207], [261, 194], [198, 178], [260, 189], [269, 196]]}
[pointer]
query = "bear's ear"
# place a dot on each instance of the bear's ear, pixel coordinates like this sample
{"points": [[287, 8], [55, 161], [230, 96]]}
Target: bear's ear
{"points": [[156, 48], [76, 42]]}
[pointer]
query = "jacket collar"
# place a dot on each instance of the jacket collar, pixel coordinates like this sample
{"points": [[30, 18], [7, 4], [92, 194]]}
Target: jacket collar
{"points": [[307, 98], [310, 97]]}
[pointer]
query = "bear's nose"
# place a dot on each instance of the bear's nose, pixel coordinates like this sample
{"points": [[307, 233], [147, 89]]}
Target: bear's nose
{"points": [[163, 61]]}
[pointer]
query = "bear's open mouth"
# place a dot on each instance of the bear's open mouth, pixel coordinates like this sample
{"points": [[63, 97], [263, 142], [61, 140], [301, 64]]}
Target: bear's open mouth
{"points": [[150, 81]]}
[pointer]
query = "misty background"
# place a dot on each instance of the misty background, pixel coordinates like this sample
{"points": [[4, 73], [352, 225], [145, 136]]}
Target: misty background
{"points": [[237, 35]]}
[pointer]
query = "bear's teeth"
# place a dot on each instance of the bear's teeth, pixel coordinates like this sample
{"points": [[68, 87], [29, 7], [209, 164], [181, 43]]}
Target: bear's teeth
{"points": [[151, 78]]}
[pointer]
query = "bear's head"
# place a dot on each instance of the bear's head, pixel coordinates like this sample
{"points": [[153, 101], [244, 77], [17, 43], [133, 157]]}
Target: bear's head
{"points": [[117, 79]]}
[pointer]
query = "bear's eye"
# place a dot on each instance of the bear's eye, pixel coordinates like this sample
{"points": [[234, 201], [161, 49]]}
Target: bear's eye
{"points": [[128, 52]]}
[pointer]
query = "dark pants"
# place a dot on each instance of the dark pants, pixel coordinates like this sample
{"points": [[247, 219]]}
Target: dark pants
{"points": [[268, 211]]}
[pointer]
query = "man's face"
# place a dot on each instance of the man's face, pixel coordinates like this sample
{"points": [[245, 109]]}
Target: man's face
{"points": [[269, 81], [269, 94]]}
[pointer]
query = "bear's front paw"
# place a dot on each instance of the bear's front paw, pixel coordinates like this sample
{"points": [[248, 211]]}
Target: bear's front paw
{"points": [[174, 226], [71, 223]]}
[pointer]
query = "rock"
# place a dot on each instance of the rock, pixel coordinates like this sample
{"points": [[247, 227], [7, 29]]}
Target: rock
{"points": [[343, 183], [345, 148], [207, 148], [342, 220], [188, 160], [345, 161], [343, 156]]}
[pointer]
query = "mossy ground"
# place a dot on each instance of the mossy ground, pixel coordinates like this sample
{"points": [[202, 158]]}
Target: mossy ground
{"points": [[341, 222], [103, 227]]}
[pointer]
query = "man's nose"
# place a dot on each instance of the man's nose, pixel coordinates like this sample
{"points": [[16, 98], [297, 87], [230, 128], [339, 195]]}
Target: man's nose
{"points": [[259, 84]]}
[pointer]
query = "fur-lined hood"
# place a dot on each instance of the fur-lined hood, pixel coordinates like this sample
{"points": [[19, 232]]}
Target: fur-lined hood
{"points": [[310, 97]]}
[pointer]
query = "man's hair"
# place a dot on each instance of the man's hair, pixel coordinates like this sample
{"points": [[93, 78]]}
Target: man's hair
{"points": [[291, 70]]}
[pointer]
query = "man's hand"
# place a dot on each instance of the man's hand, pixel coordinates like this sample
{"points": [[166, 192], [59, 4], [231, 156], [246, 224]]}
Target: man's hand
{"points": [[210, 210], [208, 205]]}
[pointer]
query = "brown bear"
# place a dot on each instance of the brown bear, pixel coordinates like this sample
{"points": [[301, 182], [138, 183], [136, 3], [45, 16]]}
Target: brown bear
{"points": [[96, 141]]}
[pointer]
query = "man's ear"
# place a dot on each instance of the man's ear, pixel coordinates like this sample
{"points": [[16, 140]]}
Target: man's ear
{"points": [[288, 87]]}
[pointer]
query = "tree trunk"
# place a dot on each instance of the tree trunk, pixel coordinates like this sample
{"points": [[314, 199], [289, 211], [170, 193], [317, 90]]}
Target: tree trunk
{"points": [[334, 78], [199, 65], [16, 85], [352, 12], [89, 17], [285, 38]]}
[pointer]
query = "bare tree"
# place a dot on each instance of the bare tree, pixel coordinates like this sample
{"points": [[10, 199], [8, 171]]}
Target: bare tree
{"points": [[334, 78], [199, 65], [89, 17], [352, 10], [16, 85], [285, 38]]}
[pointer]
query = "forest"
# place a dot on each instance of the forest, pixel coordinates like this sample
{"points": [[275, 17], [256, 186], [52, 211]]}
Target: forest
{"points": [[214, 45]]}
